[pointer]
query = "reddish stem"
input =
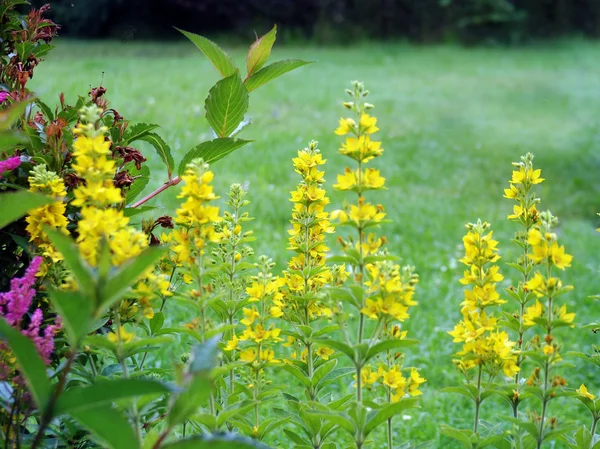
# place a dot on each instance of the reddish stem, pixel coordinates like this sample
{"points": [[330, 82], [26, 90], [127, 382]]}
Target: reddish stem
{"points": [[173, 182]]}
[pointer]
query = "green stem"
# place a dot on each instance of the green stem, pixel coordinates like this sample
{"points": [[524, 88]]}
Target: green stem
{"points": [[358, 384], [594, 425], [478, 400]]}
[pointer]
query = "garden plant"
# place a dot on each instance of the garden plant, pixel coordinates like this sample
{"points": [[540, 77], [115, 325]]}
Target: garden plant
{"points": [[315, 354]]}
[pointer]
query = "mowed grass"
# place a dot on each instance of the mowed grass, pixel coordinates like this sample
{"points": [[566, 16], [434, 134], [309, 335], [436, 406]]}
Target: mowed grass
{"points": [[451, 120]]}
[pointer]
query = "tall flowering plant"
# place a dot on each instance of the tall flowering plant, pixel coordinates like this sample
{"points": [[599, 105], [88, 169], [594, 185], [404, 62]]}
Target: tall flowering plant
{"points": [[379, 294]]}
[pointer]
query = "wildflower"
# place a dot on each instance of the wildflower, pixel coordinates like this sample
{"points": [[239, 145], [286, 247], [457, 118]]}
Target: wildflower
{"points": [[324, 352], [414, 382], [121, 335], [9, 164], [583, 392]]}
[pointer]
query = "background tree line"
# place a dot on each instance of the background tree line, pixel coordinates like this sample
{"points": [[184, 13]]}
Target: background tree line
{"points": [[333, 21]]}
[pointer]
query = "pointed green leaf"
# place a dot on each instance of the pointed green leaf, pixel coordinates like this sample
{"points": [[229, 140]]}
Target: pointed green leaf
{"points": [[126, 275], [105, 392], [30, 363], [273, 71], [340, 346], [163, 150], [338, 419], [15, 205], [75, 310], [388, 345], [138, 131], [211, 151], [259, 51], [109, 425], [458, 435], [297, 373], [226, 104], [323, 371], [389, 411], [215, 54]]}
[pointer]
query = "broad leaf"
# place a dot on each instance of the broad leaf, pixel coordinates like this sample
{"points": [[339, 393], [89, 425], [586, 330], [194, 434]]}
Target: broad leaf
{"points": [[259, 51], [138, 131], [211, 151], [126, 275], [163, 150], [75, 310], [272, 71], [109, 425], [215, 54], [14, 205], [30, 363], [340, 346], [101, 393], [226, 104], [459, 435]]}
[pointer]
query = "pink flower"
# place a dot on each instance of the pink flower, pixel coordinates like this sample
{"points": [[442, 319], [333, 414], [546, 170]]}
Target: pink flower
{"points": [[15, 304], [9, 164], [3, 96]]}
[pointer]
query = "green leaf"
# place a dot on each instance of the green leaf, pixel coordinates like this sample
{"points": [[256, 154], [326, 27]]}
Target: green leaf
{"points": [[226, 104], [101, 393], [340, 420], [157, 321], [211, 151], [133, 211], [163, 150], [126, 275], [75, 309], [389, 411], [227, 441], [142, 177], [323, 371], [340, 346], [259, 51], [196, 395], [215, 54], [138, 131], [14, 205], [273, 71], [109, 425], [78, 267], [297, 373], [458, 435], [388, 345], [30, 363]]}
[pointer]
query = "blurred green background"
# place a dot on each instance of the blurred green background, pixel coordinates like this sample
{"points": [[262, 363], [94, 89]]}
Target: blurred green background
{"points": [[452, 119]]}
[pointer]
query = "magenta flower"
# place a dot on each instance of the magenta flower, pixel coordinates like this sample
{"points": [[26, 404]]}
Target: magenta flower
{"points": [[15, 304], [3, 96], [9, 164]]}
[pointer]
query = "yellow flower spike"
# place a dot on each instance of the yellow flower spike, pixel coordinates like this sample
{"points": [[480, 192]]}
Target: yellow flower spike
{"points": [[251, 315], [414, 382], [583, 392], [232, 344]]}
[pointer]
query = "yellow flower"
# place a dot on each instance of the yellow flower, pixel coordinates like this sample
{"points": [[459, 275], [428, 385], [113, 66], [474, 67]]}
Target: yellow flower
{"points": [[251, 315], [564, 315], [526, 175], [248, 355], [232, 344], [393, 378], [347, 125], [324, 352], [583, 391], [368, 376], [414, 381], [121, 334], [255, 291], [367, 124], [532, 313], [558, 256], [371, 309]]}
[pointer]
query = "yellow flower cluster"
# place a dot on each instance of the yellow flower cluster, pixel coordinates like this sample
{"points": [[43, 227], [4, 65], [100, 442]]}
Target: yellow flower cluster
{"points": [[52, 215], [264, 299], [484, 345], [100, 221], [391, 290], [195, 217], [307, 272], [392, 378]]}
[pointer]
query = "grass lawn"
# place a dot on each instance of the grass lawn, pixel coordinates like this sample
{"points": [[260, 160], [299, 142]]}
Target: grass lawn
{"points": [[451, 120]]}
